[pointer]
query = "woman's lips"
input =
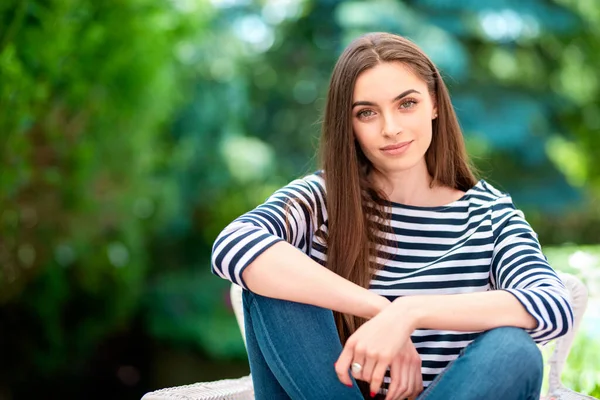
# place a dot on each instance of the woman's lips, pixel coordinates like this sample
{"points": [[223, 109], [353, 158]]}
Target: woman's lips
{"points": [[395, 149]]}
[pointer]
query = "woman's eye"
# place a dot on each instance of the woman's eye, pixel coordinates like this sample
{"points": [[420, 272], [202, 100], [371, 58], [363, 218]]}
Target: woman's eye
{"points": [[408, 104], [364, 113]]}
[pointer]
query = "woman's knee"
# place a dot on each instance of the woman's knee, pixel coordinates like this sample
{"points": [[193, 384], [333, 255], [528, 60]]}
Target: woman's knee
{"points": [[282, 314], [517, 351], [277, 305], [299, 343]]}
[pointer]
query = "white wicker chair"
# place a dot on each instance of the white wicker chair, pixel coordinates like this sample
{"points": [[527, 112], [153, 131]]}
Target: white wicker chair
{"points": [[241, 389], [579, 299]]}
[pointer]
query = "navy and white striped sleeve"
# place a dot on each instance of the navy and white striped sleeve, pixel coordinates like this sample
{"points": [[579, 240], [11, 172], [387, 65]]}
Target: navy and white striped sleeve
{"points": [[520, 267], [290, 215]]}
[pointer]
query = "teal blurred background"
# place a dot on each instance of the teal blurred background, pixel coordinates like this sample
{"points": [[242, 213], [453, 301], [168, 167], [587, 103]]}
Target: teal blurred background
{"points": [[133, 131]]}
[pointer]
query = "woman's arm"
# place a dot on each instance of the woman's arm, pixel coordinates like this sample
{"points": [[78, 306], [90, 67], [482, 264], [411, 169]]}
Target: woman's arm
{"points": [[379, 341], [284, 272], [265, 251], [527, 292], [464, 312], [520, 268]]}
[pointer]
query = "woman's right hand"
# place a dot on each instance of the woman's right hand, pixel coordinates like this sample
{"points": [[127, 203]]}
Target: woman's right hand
{"points": [[405, 373], [384, 342]]}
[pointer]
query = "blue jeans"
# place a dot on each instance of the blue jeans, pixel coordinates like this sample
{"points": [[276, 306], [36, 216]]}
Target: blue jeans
{"points": [[292, 348]]}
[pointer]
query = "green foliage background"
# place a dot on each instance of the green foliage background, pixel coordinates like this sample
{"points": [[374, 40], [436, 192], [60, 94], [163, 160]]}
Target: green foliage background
{"points": [[133, 131]]}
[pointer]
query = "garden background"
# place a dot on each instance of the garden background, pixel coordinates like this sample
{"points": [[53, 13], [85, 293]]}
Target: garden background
{"points": [[133, 131]]}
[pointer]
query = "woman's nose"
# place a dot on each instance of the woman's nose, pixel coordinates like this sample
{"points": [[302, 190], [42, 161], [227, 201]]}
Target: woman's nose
{"points": [[391, 125]]}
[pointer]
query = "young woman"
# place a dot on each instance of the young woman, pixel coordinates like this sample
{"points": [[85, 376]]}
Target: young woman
{"points": [[393, 268]]}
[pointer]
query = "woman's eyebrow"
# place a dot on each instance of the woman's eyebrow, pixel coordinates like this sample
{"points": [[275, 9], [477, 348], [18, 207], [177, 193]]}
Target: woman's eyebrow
{"points": [[401, 95]]}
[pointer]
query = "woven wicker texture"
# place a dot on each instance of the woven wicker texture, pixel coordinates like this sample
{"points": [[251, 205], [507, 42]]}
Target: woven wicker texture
{"points": [[227, 389]]}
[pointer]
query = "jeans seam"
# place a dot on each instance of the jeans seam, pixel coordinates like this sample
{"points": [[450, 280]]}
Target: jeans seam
{"points": [[277, 359]]}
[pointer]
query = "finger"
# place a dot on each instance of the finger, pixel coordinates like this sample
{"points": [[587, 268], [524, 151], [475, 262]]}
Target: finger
{"points": [[410, 381], [378, 376], [367, 370], [404, 389], [417, 378], [358, 375], [359, 358], [342, 365], [395, 373]]}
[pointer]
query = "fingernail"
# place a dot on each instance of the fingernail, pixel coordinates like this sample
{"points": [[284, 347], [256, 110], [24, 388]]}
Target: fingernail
{"points": [[372, 394], [349, 384]]}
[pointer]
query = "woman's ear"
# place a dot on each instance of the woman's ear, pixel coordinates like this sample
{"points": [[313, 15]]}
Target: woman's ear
{"points": [[434, 113]]}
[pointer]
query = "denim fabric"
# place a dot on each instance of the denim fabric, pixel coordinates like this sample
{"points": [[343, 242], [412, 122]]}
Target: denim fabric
{"points": [[292, 348]]}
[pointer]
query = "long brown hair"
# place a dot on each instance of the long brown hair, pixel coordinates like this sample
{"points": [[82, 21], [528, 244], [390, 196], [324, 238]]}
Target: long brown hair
{"points": [[354, 214]]}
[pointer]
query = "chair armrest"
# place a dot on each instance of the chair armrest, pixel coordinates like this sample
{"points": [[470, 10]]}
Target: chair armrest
{"points": [[226, 389], [579, 298], [235, 294]]}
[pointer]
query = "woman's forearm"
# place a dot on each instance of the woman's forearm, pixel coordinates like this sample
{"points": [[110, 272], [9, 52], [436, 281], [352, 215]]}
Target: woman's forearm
{"points": [[465, 312], [284, 272]]}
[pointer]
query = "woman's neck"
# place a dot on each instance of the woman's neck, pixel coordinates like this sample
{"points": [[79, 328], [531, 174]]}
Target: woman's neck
{"points": [[412, 187]]}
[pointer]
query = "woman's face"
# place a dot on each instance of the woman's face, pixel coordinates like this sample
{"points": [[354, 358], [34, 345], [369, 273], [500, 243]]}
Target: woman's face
{"points": [[392, 114]]}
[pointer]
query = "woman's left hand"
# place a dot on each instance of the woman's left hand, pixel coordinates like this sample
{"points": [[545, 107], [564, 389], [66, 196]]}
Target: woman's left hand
{"points": [[375, 345]]}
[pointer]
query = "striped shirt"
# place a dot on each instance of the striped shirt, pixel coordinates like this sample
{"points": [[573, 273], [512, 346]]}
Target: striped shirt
{"points": [[478, 243]]}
